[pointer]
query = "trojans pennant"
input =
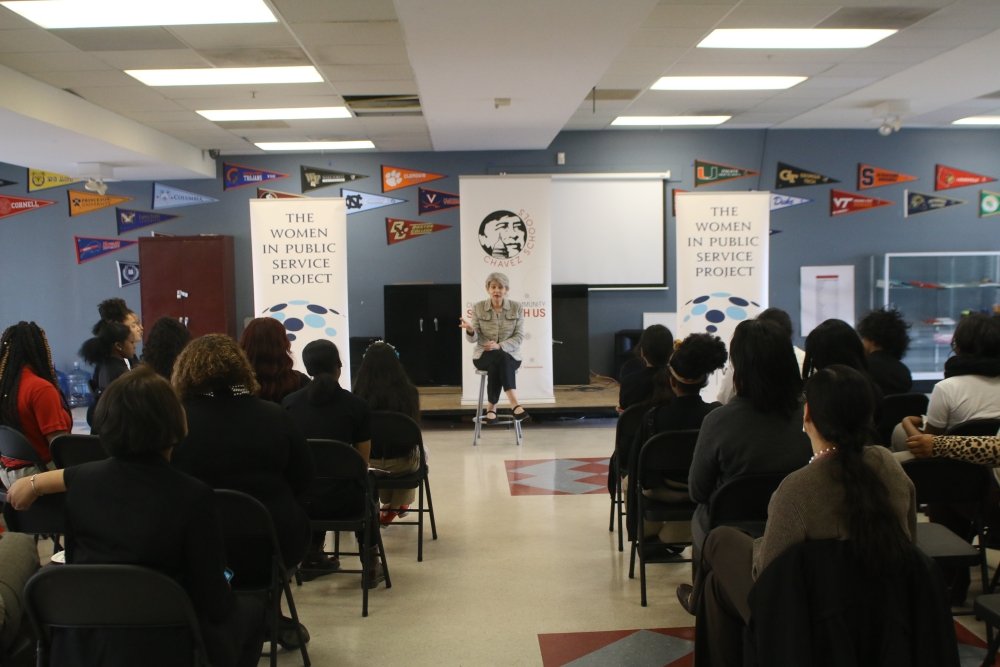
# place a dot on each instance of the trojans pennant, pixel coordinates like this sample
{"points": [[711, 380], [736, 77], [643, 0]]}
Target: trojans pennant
{"points": [[946, 178], [432, 201], [788, 176], [397, 231], [314, 178], [779, 202], [43, 180], [13, 205], [989, 203], [88, 248], [842, 203], [359, 202], [166, 196], [236, 176], [918, 202], [264, 193], [128, 219], [870, 176], [394, 178], [706, 173], [81, 202]]}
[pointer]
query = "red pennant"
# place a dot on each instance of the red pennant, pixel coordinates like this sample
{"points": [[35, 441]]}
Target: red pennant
{"points": [[397, 230], [13, 205], [946, 178], [843, 202]]}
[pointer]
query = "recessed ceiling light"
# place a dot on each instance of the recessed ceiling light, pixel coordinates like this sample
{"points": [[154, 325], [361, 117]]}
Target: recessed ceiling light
{"points": [[669, 120], [221, 76], [314, 145], [978, 120], [299, 113], [783, 38], [54, 14], [726, 82]]}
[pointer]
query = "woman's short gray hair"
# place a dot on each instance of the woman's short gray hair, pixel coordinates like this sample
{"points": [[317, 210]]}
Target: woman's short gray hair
{"points": [[497, 277]]}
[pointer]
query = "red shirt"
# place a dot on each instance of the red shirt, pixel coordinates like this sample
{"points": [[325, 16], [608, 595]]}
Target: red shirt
{"points": [[40, 409]]}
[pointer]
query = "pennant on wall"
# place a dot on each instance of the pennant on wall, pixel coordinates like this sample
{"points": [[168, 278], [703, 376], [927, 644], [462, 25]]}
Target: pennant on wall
{"points": [[81, 202], [989, 203], [794, 177], [128, 273], [946, 178], [842, 202], [870, 176], [166, 196], [918, 202], [706, 173], [264, 193], [129, 219], [43, 180], [394, 178], [236, 176], [314, 178], [4, 181], [13, 205], [432, 201], [359, 202], [779, 202], [88, 248], [397, 231], [673, 200]]}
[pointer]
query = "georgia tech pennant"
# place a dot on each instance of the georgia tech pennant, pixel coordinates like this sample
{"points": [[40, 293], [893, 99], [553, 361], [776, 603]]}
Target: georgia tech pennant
{"points": [[43, 180], [81, 202], [432, 201], [166, 196], [397, 231], [128, 273], [236, 176], [870, 176], [673, 201], [946, 178], [13, 205], [779, 202], [4, 181], [314, 178], [128, 219], [842, 202], [793, 177], [394, 178], [88, 248], [706, 173], [989, 203], [359, 202], [918, 202], [264, 193]]}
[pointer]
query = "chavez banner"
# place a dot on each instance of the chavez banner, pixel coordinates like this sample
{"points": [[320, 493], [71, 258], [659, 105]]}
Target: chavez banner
{"points": [[505, 226], [299, 250]]}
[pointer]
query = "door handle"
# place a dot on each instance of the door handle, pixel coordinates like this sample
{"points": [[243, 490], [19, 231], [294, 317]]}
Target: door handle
{"points": [[181, 294], [435, 324], [421, 324]]}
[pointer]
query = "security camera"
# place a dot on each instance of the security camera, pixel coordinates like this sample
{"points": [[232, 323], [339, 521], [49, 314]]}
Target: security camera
{"points": [[214, 153], [885, 129]]}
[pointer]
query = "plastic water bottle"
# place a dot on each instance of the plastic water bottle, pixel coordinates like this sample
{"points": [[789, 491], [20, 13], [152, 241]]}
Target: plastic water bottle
{"points": [[79, 387]]}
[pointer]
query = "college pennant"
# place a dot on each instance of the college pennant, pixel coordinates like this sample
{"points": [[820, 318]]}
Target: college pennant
{"points": [[706, 173], [870, 176], [81, 202], [397, 230], [918, 202], [989, 203], [43, 180], [946, 178], [166, 196], [264, 193], [842, 202], [432, 201], [788, 176], [128, 219], [128, 273], [236, 176], [4, 181], [13, 205], [394, 178], [88, 248], [314, 178], [359, 202], [779, 202]]}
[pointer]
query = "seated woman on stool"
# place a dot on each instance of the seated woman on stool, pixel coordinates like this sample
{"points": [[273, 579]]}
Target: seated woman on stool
{"points": [[497, 329]]}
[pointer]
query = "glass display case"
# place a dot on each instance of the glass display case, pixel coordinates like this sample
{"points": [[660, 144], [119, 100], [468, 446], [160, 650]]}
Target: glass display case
{"points": [[933, 290]]}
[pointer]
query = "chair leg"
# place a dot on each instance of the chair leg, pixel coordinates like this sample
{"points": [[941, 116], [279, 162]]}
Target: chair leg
{"points": [[478, 418], [618, 502], [430, 508], [642, 564], [366, 555], [631, 560], [385, 561], [275, 622], [991, 651], [293, 612], [420, 523]]}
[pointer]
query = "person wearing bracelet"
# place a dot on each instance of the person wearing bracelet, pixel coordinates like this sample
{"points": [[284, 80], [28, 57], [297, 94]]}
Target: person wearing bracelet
{"points": [[981, 449]]}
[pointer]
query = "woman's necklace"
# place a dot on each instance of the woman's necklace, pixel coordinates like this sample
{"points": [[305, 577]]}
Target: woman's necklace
{"points": [[823, 452]]}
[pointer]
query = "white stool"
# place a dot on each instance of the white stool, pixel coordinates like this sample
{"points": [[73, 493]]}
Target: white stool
{"points": [[479, 419]]}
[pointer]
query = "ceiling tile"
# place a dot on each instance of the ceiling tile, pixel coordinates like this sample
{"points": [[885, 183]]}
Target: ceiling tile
{"points": [[338, 73], [301, 11], [85, 79], [119, 39], [383, 54], [51, 62], [152, 59], [233, 36], [349, 32], [31, 41]]}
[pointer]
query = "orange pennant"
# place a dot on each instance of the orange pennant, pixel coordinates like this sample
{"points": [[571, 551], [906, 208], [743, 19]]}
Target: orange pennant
{"points": [[81, 202], [394, 178], [875, 177]]}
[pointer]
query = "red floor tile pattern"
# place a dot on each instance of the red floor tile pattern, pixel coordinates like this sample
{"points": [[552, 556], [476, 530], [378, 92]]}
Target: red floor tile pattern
{"points": [[557, 477]]}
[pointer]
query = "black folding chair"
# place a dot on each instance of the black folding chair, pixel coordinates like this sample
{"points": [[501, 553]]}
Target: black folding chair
{"points": [[742, 502], [625, 431], [45, 518], [975, 427], [246, 523], [113, 597], [894, 408], [392, 434], [14, 445], [75, 448]]}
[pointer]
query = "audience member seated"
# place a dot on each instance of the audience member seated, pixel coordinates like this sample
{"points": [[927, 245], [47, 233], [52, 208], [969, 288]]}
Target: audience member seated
{"points": [[110, 352], [135, 508], [980, 449], [166, 340], [266, 344], [116, 310], [30, 400], [883, 334], [848, 491], [655, 346], [834, 341], [727, 391]]}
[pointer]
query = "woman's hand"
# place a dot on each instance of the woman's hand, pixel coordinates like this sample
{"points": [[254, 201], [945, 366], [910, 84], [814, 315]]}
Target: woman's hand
{"points": [[921, 446], [465, 325], [912, 426], [20, 495], [491, 345]]}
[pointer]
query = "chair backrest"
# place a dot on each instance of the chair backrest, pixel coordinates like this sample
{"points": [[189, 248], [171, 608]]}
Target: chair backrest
{"points": [[252, 547], [76, 448], [894, 408], [394, 435], [14, 445], [337, 461], [666, 455], [109, 596], [948, 480], [743, 500], [629, 423], [46, 516], [976, 427]]}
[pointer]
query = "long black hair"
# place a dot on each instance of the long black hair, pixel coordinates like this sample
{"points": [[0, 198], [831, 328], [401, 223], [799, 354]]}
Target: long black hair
{"points": [[23, 344], [382, 382], [833, 341], [764, 367], [322, 361], [167, 339]]}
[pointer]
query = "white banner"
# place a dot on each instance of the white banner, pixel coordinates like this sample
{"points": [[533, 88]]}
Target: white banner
{"points": [[523, 252], [300, 271]]}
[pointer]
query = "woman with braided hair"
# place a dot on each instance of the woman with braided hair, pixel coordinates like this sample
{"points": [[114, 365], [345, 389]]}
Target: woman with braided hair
{"points": [[30, 400]]}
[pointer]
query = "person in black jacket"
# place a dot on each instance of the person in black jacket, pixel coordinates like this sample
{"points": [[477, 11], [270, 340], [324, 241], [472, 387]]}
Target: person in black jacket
{"points": [[883, 334]]}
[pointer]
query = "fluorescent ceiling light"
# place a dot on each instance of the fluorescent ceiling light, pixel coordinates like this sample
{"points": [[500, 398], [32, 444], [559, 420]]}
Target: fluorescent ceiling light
{"points": [[669, 120], [300, 113], [726, 82], [314, 145], [978, 120], [221, 76], [54, 14], [819, 38]]}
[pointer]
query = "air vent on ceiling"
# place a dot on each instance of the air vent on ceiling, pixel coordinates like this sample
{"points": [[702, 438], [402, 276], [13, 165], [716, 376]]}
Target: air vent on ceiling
{"points": [[374, 106], [258, 57], [613, 94], [883, 18]]}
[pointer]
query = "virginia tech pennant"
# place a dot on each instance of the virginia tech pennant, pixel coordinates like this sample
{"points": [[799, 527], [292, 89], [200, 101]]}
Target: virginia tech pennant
{"points": [[842, 202]]}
